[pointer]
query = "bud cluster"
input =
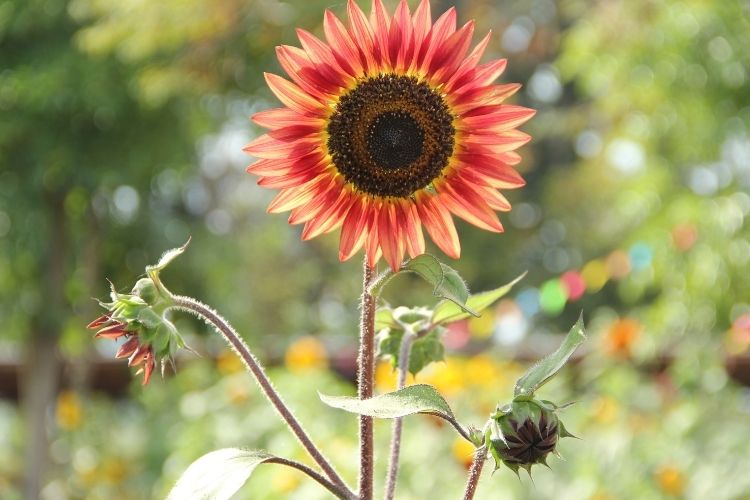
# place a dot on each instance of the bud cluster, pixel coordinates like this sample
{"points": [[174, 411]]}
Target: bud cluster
{"points": [[139, 319]]}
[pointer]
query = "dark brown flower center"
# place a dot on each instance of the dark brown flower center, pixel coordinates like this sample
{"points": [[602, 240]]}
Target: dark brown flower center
{"points": [[391, 135]]}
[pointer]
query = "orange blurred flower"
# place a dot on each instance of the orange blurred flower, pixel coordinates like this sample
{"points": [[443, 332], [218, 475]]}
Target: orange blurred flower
{"points": [[671, 480], [621, 336]]}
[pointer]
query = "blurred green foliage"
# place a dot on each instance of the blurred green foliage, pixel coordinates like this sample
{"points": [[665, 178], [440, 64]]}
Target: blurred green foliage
{"points": [[121, 125]]}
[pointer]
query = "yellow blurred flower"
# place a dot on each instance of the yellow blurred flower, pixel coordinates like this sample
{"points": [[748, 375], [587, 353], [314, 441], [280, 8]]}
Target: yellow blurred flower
{"points": [[601, 495], [237, 390], [228, 362], [483, 326], [595, 275], [670, 480], [284, 481], [604, 410], [386, 377], [69, 412], [448, 377], [482, 370], [304, 354], [463, 452], [114, 470]]}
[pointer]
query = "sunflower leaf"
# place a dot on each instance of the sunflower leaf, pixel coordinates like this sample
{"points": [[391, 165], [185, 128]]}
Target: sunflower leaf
{"points": [[424, 350], [446, 282], [420, 398], [384, 318], [540, 373], [447, 312], [218, 475]]}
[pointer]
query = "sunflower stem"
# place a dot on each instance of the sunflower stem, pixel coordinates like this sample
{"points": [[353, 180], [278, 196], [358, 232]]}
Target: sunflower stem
{"points": [[475, 471], [213, 318], [365, 378], [403, 367]]}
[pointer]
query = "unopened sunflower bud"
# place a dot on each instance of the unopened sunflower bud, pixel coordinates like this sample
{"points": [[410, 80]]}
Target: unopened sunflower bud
{"points": [[524, 433], [139, 318]]}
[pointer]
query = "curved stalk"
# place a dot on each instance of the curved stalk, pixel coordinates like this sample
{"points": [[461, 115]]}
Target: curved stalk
{"points": [[365, 378], [213, 318], [341, 493], [403, 366], [476, 470]]}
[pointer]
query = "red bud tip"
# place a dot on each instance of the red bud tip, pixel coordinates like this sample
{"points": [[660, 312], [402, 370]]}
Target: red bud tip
{"points": [[128, 348]]}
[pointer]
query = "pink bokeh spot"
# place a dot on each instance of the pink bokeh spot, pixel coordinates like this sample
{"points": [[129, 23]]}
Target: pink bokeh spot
{"points": [[574, 285]]}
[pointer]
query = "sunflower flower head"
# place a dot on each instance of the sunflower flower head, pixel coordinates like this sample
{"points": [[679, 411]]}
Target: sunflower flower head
{"points": [[390, 125]]}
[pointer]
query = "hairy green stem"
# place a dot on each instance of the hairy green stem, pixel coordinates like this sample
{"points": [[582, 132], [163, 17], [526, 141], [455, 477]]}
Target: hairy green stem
{"points": [[476, 470], [403, 367], [253, 365], [365, 380]]}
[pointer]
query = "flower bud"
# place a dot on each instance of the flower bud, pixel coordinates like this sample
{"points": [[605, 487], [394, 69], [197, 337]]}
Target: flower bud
{"points": [[139, 319], [146, 290], [524, 433]]}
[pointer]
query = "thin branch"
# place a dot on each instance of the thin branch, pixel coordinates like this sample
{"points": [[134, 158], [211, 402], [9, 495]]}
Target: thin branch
{"points": [[341, 493], [365, 377], [403, 367], [243, 351], [476, 470]]}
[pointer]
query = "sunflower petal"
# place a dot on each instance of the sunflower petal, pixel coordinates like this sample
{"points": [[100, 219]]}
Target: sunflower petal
{"points": [[287, 199], [463, 201], [353, 230], [439, 224], [408, 218], [344, 50], [444, 27], [389, 235], [293, 96], [361, 33], [467, 65], [284, 117], [401, 37], [380, 22]]}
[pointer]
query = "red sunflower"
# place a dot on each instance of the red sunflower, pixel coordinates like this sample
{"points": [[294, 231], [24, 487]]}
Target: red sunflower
{"points": [[388, 126]]}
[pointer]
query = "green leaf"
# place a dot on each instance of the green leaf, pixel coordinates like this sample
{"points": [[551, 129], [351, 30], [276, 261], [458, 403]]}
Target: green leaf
{"points": [[424, 350], [384, 318], [420, 398], [540, 373], [446, 312], [218, 475], [446, 282]]}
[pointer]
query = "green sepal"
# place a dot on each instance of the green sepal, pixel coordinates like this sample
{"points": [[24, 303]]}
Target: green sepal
{"points": [[149, 318], [166, 258]]}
